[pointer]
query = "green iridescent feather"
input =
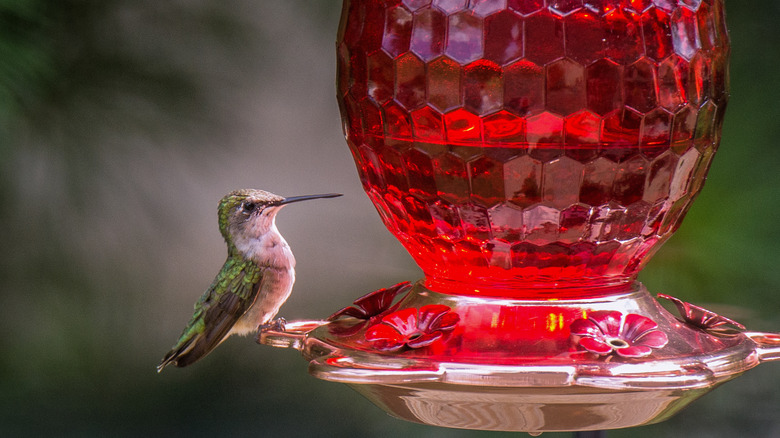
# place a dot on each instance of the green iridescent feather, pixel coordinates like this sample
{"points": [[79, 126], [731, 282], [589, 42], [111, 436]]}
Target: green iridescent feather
{"points": [[230, 295]]}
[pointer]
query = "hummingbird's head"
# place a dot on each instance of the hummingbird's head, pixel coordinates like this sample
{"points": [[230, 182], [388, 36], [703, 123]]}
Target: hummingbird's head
{"points": [[249, 213]]}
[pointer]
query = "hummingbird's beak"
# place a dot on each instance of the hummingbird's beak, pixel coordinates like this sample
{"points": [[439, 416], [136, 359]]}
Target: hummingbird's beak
{"points": [[292, 199]]}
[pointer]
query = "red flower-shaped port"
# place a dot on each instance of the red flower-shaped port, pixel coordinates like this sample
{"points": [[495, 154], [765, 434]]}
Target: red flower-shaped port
{"points": [[373, 303], [412, 328], [701, 317], [368, 309], [629, 335]]}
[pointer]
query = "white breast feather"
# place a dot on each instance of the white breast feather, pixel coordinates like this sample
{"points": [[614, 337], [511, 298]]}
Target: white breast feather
{"points": [[272, 253]]}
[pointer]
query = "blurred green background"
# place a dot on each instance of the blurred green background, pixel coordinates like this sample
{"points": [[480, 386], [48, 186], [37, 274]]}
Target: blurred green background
{"points": [[124, 122]]}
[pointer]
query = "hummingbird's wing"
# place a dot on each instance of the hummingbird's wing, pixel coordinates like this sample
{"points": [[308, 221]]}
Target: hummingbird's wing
{"points": [[232, 293]]}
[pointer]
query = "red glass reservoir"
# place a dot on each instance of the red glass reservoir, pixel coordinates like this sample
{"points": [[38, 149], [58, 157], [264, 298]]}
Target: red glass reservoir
{"points": [[532, 148]]}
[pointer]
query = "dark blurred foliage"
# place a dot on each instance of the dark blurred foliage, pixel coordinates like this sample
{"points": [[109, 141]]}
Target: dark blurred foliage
{"points": [[123, 122]]}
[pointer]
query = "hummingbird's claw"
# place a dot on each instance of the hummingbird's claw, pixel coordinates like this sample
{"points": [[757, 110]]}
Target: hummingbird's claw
{"points": [[275, 325]]}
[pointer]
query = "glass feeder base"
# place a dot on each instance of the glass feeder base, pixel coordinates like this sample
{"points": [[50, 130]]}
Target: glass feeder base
{"points": [[538, 365], [527, 409]]}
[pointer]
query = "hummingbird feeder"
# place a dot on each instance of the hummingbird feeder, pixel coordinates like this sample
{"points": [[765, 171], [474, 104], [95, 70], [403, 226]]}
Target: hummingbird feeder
{"points": [[531, 156]]}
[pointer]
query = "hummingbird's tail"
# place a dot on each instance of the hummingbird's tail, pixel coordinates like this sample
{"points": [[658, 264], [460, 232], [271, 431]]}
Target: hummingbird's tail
{"points": [[188, 351], [181, 355], [167, 360], [192, 346]]}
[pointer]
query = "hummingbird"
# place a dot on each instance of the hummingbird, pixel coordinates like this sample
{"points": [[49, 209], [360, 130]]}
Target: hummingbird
{"points": [[254, 282]]}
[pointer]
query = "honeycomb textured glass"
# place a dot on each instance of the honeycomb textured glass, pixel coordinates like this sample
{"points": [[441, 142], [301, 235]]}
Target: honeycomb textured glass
{"points": [[532, 148]]}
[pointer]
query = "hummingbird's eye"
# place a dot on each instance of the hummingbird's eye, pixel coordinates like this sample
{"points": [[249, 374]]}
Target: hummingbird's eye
{"points": [[249, 206]]}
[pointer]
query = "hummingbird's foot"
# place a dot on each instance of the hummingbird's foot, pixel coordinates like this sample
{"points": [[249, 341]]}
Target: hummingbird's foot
{"points": [[276, 325]]}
